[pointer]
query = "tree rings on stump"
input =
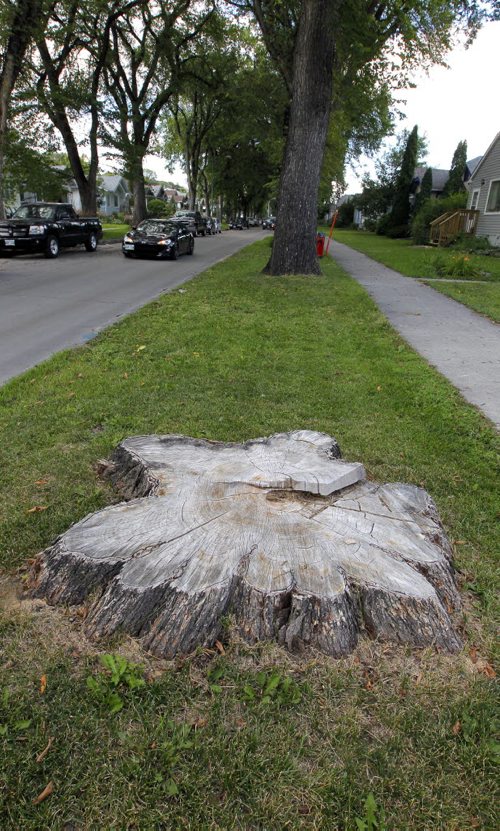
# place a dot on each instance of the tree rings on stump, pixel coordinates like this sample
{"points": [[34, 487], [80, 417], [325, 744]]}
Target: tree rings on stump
{"points": [[278, 532]]}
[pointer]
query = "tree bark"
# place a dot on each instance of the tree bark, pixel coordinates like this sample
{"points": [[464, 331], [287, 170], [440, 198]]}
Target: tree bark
{"points": [[278, 532], [139, 190], [294, 250]]}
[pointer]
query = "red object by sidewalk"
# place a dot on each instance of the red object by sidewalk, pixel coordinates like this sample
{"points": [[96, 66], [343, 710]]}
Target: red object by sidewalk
{"points": [[331, 230], [320, 244]]}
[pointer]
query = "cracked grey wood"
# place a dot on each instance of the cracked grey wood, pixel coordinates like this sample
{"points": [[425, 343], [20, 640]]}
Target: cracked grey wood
{"points": [[279, 532]]}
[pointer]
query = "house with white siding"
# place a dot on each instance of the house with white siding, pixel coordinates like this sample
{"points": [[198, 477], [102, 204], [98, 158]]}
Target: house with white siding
{"points": [[484, 193], [114, 196]]}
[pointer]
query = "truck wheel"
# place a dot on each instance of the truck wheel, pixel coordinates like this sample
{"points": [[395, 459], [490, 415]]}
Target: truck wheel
{"points": [[52, 247], [191, 246], [91, 242]]}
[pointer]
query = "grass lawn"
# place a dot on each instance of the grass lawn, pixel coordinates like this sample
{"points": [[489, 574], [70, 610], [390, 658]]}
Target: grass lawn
{"points": [[421, 261], [114, 231], [235, 355]]}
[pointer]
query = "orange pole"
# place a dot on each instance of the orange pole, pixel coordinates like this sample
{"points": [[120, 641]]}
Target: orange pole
{"points": [[331, 230]]}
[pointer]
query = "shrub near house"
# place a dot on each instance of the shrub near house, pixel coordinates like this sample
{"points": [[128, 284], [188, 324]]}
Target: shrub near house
{"points": [[160, 208]]}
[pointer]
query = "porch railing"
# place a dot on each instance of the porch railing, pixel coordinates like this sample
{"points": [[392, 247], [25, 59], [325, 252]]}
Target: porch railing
{"points": [[450, 225]]}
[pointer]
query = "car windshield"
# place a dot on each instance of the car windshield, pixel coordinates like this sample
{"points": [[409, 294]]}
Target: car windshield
{"points": [[185, 213], [35, 212], [153, 226]]}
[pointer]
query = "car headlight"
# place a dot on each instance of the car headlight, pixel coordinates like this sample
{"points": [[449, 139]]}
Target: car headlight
{"points": [[127, 238], [167, 242], [36, 230]]}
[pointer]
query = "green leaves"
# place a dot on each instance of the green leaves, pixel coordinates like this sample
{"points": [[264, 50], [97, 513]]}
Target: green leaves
{"points": [[8, 723], [170, 751], [272, 688], [264, 688], [371, 821], [122, 674]]}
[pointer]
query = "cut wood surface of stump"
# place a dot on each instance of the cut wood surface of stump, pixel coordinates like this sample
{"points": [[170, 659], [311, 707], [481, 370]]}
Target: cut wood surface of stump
{"points": [[278, 532]]}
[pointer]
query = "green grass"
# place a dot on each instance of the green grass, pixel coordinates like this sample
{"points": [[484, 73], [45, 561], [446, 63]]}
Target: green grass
{"points": [[231, 356], [424, 261], [481, 298], [413, 260], [114, 231]]}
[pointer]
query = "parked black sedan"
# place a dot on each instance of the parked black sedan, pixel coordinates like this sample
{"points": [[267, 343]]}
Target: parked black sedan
{"points": [[158, 239]]}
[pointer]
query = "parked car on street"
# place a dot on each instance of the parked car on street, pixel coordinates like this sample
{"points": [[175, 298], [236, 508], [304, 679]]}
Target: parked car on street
{"points": [[45, 228], [198, 222], [238, 223], [158, 239], [209, 225], [269, 224]]}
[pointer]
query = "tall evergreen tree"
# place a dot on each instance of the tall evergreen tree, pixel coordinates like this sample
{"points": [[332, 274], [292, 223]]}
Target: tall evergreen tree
{"points": [[455, 183], [400, 213], [425, 189]]}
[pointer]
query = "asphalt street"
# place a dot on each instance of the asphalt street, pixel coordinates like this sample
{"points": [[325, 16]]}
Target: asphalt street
{"points": [[49, 305]]}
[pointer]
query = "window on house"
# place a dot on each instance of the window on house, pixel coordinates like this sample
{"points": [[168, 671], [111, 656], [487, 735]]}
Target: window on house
{"points": [[474, 200], [493, 203]]}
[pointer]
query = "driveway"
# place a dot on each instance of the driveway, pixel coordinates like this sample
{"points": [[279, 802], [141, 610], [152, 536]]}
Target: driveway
{"points": [[49, 305]]}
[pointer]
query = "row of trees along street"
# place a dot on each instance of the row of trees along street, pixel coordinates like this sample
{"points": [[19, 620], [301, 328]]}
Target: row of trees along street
{"points": [[257, 98]]}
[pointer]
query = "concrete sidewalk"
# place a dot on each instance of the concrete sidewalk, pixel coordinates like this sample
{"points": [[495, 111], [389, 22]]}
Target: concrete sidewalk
{"points": [[461, 344]]}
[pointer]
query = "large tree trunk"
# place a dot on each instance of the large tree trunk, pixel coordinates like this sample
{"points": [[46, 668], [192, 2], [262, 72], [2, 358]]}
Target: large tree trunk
{"points": [[139, 191], [278, 532], [55, 108], [294, 250], [24, 15], [192, 178]]}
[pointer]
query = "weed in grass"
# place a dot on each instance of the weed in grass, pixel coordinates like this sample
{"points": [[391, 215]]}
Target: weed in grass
{"points": [[269, 687], [373, 819], [272, 687], [122, 674], [475, 728], [215, 674], [9, 725], [170, 752]]}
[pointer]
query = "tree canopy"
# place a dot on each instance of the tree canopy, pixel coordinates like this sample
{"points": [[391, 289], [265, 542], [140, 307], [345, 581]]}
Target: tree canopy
{"points": [[260, 98]]}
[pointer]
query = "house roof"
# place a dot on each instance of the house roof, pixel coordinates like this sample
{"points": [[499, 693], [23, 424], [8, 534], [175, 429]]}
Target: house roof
{"points": [[439, 177], [346, 197], [110, 181], [473, 163], [490, 148], [174, 192]]}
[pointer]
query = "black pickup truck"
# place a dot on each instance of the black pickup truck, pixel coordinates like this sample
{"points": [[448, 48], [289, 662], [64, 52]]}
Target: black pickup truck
{"points": [[196, 222], [46, 227]]}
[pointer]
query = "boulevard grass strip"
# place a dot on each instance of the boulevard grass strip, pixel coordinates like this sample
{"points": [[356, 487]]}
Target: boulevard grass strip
{"points": [[235, 355], [414, 260], [484, 299], [114, 232]]}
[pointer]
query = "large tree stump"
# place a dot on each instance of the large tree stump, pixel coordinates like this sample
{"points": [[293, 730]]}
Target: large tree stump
{"points": [[279, 532]]}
